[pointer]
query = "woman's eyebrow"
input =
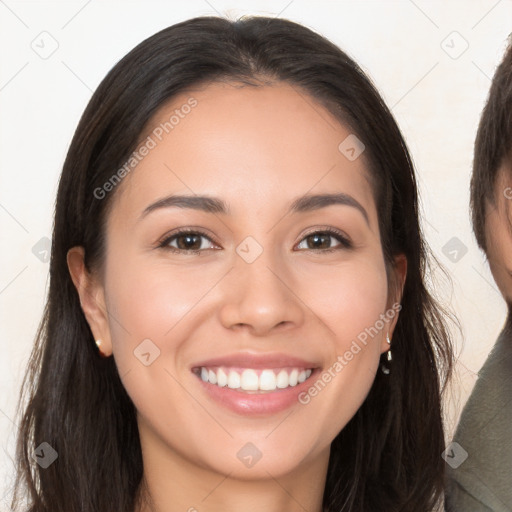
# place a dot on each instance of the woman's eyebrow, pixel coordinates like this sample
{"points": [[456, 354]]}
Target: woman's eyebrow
{"points": [[308, 202]]}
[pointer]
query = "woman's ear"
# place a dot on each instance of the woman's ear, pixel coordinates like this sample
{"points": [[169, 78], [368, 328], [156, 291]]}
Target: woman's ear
{"points": [[400, 273], [92, 298], [397, 283]]}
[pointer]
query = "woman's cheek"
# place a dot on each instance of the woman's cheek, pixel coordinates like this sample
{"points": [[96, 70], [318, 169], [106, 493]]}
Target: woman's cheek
{"points": [[145, 303], [349, 299], [151, 294]]}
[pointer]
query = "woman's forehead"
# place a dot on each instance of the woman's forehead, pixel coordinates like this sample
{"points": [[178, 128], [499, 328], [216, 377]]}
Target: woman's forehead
{"points": [[248, 145]]}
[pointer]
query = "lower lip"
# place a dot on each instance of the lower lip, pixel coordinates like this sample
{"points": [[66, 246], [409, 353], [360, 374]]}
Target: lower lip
{"points": [[253, 404]]}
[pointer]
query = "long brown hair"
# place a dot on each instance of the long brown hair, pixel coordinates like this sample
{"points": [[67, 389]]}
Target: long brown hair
{"points": [[388, 457]]}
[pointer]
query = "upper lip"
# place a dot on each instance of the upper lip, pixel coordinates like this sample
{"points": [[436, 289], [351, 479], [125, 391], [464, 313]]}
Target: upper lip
{"points": [[252, 360]]}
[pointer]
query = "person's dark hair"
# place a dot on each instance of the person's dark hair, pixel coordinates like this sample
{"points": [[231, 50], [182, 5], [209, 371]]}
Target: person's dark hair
{"points": [[388, 457], [493, 145]]}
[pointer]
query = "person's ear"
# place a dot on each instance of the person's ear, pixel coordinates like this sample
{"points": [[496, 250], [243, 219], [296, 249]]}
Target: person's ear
{"points": [[92, 298], [396, 289]]}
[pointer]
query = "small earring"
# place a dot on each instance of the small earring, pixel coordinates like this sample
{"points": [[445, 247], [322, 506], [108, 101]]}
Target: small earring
{"points": [[384, 368], [389, 343], [98, 344]]}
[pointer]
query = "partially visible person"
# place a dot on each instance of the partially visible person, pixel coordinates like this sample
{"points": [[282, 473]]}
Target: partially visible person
{"points": [[483, 482]]}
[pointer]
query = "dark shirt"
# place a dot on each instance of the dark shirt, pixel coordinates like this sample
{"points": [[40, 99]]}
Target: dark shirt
{"points": [[483, 482]]}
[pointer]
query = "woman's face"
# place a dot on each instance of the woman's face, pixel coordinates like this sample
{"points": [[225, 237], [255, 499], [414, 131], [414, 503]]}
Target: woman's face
{"points": [[283, 286]]}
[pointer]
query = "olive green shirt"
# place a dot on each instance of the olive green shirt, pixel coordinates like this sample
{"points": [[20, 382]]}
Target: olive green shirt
{"points": [[483, 481]]}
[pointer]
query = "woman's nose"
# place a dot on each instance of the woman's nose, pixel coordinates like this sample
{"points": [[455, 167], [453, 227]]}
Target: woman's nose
{"points": [[259, 292]]}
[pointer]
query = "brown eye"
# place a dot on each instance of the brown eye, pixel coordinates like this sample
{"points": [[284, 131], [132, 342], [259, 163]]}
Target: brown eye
{"points": [[319, 241], [322, 240], [186, 241]]}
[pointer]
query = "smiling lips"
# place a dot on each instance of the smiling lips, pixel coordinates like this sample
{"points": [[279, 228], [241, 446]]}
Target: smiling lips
{"points": [[257, 373], [255, 385], [249, 379]]}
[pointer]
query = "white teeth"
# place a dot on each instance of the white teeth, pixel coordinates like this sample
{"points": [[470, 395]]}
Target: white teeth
{"points": [[233, 380], [267, 380], [212, 377], [249, 380], [282, 379], [222, 378]]}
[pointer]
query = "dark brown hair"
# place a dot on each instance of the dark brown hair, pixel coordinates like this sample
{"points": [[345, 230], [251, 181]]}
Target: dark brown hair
{"points": [[493, 144], [388, 457]]}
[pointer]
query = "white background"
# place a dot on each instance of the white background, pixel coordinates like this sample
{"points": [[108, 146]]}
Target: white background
{"points": [[436, 99]]}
